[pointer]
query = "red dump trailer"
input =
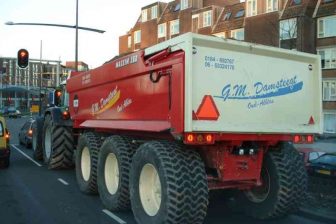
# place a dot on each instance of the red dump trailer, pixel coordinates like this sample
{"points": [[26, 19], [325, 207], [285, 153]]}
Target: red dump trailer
{"points": [[157, 129]]}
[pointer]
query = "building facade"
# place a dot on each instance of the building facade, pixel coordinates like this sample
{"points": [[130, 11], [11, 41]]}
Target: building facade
{"points": [[20, 88], [301, 25]]}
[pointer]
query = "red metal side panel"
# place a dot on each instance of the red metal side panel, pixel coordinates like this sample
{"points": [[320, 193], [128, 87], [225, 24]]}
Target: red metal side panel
{"points": [[122, 91]]}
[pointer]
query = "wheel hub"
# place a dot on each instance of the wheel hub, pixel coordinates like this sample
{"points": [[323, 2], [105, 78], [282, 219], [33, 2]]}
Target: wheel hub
{"points": [[111, 173], [86, 163], [260, 193], [150, 189]]}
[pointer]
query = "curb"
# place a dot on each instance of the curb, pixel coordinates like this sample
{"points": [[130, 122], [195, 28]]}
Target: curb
{"points": [[320, 215]]}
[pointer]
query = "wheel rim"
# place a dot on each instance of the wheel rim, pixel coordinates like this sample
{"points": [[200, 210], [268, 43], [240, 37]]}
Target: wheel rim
{"points": [[86, 163], [47, 143], [260, 193], [111, 173], [150, 189]]}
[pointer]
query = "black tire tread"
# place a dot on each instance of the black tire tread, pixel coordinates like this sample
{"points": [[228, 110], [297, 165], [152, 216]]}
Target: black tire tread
{"points": [[37, 131], [186, 203], [93, 142], [126, 150]]}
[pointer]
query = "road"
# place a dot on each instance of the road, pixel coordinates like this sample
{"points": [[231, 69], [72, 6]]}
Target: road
{"points": [[30, 193]]}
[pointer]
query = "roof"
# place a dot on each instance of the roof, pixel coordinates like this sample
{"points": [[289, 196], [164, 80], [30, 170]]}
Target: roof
{"points": [[228, 19]]}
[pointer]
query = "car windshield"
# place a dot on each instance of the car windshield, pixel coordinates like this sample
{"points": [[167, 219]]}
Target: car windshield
{"points": [[328, 159]]}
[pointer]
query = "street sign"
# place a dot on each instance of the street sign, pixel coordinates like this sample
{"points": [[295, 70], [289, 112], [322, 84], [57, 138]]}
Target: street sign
{"points": [[34, 109]]}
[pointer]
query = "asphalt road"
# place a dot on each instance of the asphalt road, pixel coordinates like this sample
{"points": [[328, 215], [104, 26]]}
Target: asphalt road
{"points": [[30, 193]]}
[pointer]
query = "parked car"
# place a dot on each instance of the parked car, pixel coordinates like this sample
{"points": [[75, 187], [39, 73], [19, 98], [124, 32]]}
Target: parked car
{"points": [[323, 165], [13, 113], [26, 133], [4, 144]]}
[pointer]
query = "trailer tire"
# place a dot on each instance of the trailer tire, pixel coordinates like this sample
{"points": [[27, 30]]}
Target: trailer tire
{"points": [[161, 185], [287, 185], [87, 161], [58, 145], [37, 139], [114, 164]]}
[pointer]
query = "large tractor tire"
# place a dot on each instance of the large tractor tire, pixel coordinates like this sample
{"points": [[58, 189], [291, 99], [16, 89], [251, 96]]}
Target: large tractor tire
{"points": [[58, 145], [114, 165], [87, 161], [37, 139], [284, 185], [167, 185]]}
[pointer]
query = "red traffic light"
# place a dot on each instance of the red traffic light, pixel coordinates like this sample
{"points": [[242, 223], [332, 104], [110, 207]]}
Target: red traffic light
{"points": [[23, 58]]}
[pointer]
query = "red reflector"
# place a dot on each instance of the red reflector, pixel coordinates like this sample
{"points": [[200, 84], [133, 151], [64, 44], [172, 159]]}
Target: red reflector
{"points": [[209, 138], [311, 121], [297, 139], [207, 110], [190, 138], [310, 139]]}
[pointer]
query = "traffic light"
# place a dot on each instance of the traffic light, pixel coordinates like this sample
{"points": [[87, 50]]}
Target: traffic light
{"points": [[23, 58], [58, 97]]}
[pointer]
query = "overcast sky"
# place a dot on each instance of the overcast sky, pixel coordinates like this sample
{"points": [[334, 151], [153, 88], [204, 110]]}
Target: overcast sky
{"points": [[115, 17]]}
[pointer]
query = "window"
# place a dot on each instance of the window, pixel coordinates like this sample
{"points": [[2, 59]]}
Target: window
{"points": [[137, 36], [207, 21], [238, 34], [328, 57], [272, 5], [328, 1], [227, 16], [129, 41], [144, 15], [162, 30], [240, 13], [251, 7], [288, 29], [174, 27], [177, 8], [295, 2], [326, 27], [1, 129], [330, 122], [154, 12], [329, 90], [184, 4]]}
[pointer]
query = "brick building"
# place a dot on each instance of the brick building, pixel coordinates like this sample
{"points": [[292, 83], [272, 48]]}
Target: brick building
{"points": [[303, 25]]}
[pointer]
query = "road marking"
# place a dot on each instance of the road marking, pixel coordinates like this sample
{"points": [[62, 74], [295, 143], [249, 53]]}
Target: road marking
{"points": [[28, 157], [113, 216], [63, 181]]}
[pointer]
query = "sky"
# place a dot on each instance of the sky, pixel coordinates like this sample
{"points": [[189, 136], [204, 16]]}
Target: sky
{"points": [[115, 17]]}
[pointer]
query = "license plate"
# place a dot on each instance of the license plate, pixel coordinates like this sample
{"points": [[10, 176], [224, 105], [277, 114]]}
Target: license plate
{"points": [[325, 172]]}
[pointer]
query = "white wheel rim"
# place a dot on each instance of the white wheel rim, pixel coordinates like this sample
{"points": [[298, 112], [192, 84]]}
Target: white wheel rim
{"points": [[150, 189], [111, 173], [47, 143], [86, 163]]}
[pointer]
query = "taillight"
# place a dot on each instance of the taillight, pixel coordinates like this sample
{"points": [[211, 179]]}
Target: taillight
{"points": [[66, 115], [199, 138], [30, 132], [303, 139]]}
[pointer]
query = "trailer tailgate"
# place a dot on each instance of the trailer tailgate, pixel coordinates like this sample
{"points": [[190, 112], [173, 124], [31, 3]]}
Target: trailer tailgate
{"points": [[233, 86]]}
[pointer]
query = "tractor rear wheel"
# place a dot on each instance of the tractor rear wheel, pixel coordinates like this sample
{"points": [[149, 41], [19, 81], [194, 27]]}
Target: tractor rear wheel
{"points": [[284, 185], [57, 145]]}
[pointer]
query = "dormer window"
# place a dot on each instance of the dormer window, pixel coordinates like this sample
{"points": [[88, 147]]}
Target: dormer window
{"points": [[296, 2], [207, 18], [184, 4], [240, 13], [227, 16], [154, 12], [144, 15]]}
